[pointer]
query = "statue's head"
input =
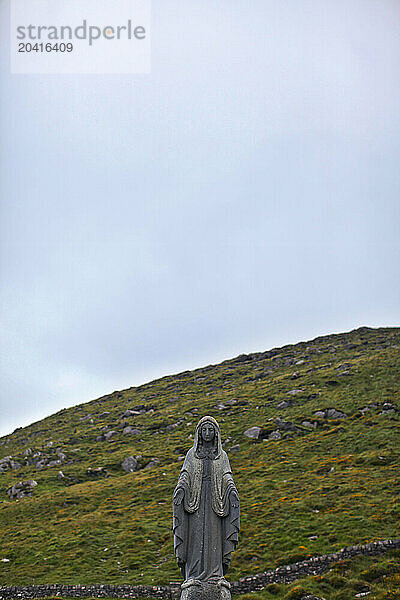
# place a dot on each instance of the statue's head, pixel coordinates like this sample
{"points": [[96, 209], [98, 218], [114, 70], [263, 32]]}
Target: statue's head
{"points": [[207, 431]]}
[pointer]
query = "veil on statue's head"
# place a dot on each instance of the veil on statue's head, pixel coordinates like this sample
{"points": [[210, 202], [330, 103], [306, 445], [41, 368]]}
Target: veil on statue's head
{"points": [[198, 442]]}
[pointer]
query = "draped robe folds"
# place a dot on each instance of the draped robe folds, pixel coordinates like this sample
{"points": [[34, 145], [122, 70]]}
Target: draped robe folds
{"points": [[206, 512]]}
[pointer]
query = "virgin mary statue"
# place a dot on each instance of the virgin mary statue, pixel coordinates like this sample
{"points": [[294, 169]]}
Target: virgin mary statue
{"points": [[206, 509]]}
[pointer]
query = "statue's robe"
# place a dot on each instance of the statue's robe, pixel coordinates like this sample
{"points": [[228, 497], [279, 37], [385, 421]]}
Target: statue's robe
{"points": [[206, 513]]}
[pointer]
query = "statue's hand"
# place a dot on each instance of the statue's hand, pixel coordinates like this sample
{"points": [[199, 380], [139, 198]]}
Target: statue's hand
{"points": [[178, 496], [181, 565]]}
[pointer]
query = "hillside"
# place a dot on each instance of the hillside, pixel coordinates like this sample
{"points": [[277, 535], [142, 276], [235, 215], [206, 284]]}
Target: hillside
{"points": [[323, 472]]}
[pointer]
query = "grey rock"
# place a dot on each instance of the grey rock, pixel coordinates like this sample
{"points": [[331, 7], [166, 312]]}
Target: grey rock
{"points": [[97, 472], [129, 413], [130, 464], [152, 463], [283, 404], [8, 463], [294, 392], [131, 431], [231, 402], [320, 413], [332, 413], [275, 435], [53, 463], [286, 425], [387, 406], [21, 489], [85, 417], [171, 426], [109, 434], [235, 448], [41, 464], [60, 475], [253, 432]]}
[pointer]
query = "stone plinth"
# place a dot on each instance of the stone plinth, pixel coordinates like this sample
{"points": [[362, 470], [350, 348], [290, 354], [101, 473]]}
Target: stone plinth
{"points": [[200, 590]]}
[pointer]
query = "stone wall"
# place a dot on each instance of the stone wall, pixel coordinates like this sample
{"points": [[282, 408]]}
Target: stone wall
{"points": [[284, 574], [311, 566]]}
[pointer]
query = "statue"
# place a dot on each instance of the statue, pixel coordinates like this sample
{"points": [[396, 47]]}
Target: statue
{"points": [[206, 516]]}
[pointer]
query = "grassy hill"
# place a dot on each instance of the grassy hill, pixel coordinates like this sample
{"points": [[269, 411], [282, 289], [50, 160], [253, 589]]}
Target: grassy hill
{"points": [[314, 481]]}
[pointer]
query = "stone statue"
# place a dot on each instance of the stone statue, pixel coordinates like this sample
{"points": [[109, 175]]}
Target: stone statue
{"points": [[206, 516]]}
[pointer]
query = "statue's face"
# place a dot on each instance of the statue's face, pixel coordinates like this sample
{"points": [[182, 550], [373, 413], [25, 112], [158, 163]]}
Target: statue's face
{"points": [[208, 432]]}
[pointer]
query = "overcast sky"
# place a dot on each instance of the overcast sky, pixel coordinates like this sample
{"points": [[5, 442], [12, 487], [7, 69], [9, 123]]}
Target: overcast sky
{"points": [[243, 195]]}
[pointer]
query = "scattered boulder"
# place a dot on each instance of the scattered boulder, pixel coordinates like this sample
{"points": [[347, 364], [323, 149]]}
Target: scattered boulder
{"points": [[388, 409], [309, 425], [97, 472], [140, 409], [129, 413], [231, 401], [286, 425], [253, 432], [285, 404], [8, 463], [171, 426], [130, 464], [235, 448], [21, 489], [53, 463], [294, 392], [275, 435], [332, 413], [86, 417], [131, 431], [152, 463], [108, 434]]}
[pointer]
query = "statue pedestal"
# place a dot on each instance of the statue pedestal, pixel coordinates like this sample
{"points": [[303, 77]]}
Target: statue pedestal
{"points": [[201, 590]]}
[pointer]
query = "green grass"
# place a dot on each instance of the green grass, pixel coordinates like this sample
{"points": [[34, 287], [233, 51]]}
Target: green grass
{"points": [[380, 577], [338, 482]]}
